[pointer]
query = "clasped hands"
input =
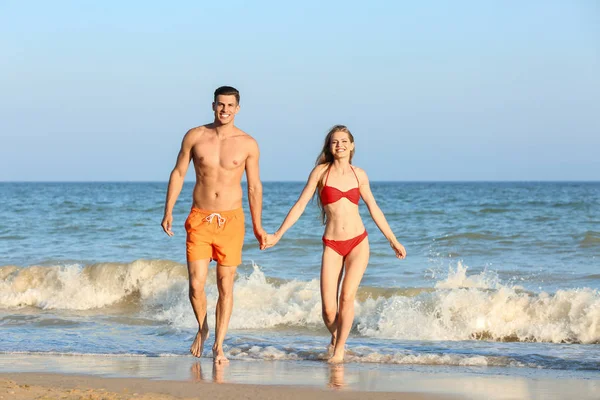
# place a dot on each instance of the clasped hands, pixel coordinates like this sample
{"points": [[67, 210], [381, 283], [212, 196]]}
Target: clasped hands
{"points": [[266, 240]]}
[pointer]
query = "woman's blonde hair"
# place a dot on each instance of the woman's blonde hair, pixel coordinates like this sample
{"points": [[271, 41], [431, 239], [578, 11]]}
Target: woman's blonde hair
{"points": [[326, 157]]}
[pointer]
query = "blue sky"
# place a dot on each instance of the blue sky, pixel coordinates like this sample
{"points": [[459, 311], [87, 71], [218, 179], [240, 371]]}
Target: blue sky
{"points": [[432, 90]]}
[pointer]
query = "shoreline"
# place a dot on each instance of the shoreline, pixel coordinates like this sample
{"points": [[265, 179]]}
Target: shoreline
{"points": [[27, 376]]}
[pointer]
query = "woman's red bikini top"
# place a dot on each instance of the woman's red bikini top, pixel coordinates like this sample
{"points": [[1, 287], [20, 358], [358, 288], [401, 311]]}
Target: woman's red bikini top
{"points": [[329, 194]]}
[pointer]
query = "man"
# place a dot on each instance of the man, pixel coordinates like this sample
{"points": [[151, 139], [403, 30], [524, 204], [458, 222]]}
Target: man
{"points": [[215, 227]]}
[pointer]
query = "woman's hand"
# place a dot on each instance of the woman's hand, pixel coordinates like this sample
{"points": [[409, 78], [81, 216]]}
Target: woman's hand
{"points": [[398, 249], [272, 240]]}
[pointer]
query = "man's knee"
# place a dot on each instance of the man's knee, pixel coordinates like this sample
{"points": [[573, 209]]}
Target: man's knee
{"points": [[225, 279], [197, 273], [196, 287]]}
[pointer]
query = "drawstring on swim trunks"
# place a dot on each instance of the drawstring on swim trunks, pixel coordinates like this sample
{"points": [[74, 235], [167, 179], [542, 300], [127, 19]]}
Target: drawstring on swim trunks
{"points": [[220, 220]]}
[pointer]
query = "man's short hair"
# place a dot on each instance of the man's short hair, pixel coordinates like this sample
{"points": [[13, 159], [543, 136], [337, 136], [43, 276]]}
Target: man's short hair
{"points": [[227, 91]]}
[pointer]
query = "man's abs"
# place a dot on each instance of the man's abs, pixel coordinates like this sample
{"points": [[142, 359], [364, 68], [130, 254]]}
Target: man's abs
{"points": [[218, 197]]}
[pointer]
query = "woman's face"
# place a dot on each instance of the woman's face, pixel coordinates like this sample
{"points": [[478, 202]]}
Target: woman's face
{"points": [[340, 145]]}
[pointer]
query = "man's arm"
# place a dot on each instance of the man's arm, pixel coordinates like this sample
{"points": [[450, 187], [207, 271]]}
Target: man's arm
{"points": [[176, 181], [255, 192]]}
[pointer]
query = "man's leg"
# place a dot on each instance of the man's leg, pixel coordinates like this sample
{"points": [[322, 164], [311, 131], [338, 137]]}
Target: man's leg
{"points": [[198, 270], [196, 372], [225, 277]]}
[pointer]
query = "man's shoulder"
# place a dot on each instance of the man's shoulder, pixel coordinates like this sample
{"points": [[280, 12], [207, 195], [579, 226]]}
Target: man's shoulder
{"points": [[245, 138], [197, 134], [242, 134], [199, 130]]}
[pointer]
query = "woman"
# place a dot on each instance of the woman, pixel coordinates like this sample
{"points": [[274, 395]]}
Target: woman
{"points": [[345, 242]]}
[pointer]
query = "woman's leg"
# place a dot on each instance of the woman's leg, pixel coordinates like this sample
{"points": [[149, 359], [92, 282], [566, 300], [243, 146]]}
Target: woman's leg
{"points": [[331, 275], [356, 264]]}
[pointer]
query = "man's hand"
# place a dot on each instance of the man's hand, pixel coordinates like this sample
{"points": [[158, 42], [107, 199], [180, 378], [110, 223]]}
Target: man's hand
{"points": [[261, 236], [398, 249], [271, 240], [167, 223]]}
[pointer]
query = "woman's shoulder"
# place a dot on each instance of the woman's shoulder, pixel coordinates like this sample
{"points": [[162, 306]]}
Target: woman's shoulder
{"points": [[320, 168], [318, 171], [359, 172]]}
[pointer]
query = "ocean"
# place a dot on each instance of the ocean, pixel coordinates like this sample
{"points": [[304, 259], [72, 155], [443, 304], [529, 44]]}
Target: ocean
{"points": [[500, 276]]}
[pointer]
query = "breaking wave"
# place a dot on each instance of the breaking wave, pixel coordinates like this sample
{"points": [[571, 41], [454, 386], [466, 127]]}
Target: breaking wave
{"points": [[459, 307]]}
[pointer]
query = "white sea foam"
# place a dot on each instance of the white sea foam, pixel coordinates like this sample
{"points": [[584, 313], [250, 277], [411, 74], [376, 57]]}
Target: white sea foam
{"points": [[458, 278], [73, 287], [461, 307], [368, 355], [484, 309], [258, 304], [256, 352]]}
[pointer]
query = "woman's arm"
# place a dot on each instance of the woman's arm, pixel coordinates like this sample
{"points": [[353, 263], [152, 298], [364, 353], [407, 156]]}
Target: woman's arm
{"points": [[298, 208], [377, 214]]}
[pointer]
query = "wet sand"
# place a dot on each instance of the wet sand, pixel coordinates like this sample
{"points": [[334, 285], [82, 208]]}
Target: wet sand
{"points": [[91, 377], [53, 386]]}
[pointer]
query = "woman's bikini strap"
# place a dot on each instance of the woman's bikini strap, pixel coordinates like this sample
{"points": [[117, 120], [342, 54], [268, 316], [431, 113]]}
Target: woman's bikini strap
{"points": [[356, 176], [327, 176]]}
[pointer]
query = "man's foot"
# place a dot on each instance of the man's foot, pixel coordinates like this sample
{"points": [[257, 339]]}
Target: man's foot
{"points": [[198, 345], [196, 372], [219, 356]]}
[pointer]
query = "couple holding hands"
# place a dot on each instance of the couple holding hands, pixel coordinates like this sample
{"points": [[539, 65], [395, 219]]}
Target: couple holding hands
{"points": [[221, 153]]}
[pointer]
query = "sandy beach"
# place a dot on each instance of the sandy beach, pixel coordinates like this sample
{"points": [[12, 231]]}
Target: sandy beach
{"points": [[55, 386]]}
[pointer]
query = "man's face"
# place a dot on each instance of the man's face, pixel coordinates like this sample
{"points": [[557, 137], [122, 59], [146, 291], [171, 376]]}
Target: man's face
{"points": [[225, 108]]}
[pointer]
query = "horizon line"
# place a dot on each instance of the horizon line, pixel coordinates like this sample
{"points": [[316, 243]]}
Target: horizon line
{"points": [[303, 181]]}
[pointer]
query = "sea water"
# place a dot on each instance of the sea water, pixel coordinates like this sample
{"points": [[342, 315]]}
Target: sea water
{"points": [[498, 275]]}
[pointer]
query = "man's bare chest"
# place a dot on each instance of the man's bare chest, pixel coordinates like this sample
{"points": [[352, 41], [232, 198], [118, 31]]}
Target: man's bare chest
{"points": [[211, 156]]}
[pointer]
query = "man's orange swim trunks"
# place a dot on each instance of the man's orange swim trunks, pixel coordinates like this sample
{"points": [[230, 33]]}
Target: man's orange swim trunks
{"points": [[218, 235]]}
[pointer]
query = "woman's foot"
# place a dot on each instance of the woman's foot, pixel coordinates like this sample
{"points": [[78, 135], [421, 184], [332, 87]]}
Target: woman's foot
{"points": [[336, 359], [331, 346]]}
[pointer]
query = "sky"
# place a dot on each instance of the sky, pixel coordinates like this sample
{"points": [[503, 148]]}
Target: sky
{"points": [[431, 90]]}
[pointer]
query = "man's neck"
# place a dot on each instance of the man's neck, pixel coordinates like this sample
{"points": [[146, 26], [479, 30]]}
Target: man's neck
{"points": [[224, 130]]}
